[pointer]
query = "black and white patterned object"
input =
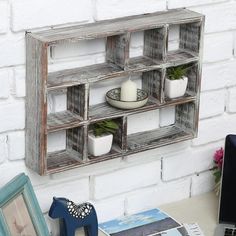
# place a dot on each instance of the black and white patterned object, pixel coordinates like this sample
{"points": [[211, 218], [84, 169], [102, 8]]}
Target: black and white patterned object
{"points": [[79, 211]]}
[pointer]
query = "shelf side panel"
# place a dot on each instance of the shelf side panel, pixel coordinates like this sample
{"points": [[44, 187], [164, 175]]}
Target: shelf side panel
{"points": [[117, 49], [77, 100], [155, 46], [190, 36], [36, 104]]}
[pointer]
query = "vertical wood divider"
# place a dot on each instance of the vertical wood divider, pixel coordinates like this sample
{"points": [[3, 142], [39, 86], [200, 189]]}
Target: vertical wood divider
{"points": [[36, 104], [117, 49]]}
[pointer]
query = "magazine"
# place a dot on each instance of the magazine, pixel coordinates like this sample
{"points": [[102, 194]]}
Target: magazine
{"points": [[147, 223]]}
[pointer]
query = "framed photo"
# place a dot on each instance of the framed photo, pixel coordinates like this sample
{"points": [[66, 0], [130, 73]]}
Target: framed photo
{"points": [[20, 214]]}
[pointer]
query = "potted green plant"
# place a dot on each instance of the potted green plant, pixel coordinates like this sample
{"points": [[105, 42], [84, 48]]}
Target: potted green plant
{"points": [[176, 82], [100, 137]]}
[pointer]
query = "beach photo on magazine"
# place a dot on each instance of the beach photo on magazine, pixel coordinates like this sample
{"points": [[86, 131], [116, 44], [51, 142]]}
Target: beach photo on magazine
{"points": [[145, 223]]}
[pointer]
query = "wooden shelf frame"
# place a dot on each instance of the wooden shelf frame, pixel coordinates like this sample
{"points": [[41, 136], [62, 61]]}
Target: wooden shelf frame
{"points": [[153, 64]]}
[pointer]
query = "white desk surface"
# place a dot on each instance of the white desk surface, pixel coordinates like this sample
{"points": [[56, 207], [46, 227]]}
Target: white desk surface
{"points": [[201, 209]]}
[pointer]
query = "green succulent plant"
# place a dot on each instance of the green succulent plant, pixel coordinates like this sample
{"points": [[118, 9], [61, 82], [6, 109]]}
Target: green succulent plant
{"points": [[103, 127], [175, 73]]}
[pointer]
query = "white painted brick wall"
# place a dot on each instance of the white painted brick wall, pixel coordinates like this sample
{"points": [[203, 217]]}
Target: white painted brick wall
{"points": [[143, 180], [231, 106], [16, 145], [5, 80], [118, 8], [47, 13], [77, 191], [110, 208], [12, 49], [219, 17], [190, 3], [218, 47], [212, 103], [4, 13], [19, 82], [159, 195], [12, 115], [202, 183], [126, 179], [190, 161], [3, 148]]}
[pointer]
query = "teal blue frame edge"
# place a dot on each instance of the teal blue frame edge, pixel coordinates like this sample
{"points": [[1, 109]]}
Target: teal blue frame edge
{"points": [[21, 185]]}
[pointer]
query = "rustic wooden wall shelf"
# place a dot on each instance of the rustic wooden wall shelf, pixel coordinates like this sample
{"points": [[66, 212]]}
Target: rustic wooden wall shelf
{"points": [[79, 115]]}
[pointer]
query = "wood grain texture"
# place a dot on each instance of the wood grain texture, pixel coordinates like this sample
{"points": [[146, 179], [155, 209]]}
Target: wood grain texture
{"points": [[156, 138], [151, 82], [153, 64], [36, 104], [185, 115], [63, 120], [155, 44], [107, 28], [117, 49], [98, 72], [190, 36]]}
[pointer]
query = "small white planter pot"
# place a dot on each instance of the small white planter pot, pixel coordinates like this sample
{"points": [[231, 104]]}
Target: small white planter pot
{"points": [[100, 145], [176, 88]]}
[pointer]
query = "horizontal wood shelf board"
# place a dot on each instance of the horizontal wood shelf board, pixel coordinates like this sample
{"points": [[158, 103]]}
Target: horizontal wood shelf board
{"points": [[99, 72], [181, 56], [156, 138], [117, 26], [142, 64], [63, 120], [82, 75], [105, 111], [59, 160]]}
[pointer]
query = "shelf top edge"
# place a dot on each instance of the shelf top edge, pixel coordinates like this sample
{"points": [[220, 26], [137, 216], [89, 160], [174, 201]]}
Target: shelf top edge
{"points": [[116, 26]]}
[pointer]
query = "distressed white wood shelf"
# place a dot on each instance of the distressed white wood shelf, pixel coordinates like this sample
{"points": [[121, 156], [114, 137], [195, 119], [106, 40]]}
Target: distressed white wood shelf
{"points": [[152, 65]]}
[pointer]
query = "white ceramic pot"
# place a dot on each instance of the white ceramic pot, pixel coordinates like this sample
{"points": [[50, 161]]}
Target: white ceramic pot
{"points": [[99, 145], [175, 88]]}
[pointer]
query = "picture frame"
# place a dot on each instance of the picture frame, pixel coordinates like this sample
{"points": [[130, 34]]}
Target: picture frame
{"points": [[20, 213]]}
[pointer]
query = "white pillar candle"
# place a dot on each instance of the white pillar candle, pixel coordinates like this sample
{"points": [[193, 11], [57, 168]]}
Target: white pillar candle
{"points": [[128, 91]]}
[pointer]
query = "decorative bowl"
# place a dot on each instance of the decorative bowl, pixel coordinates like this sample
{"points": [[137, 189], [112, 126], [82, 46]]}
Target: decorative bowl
{"points": [[113, 98]]}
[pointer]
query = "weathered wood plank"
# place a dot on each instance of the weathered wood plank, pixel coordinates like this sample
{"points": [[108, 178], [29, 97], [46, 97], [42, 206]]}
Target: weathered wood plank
{"points": [[185, 116], [62, 160], [155, 43], [190, 36], [156, 138], [82, 75], [117, 26], [99, 72], [36, 104], [151, 82], [63, 120], [103, 111], [117, 49]]}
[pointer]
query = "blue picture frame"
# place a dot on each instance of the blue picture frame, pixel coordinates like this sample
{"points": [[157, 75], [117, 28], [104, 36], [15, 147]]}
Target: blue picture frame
{"points": [[19, 190]]}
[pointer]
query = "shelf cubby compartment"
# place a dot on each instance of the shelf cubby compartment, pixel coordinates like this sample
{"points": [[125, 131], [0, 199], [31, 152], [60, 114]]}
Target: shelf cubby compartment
{"points": [[187, 43], [192, 86], [183, 128], [119, 141], [149, 81], [75, 113], [71, 153], [153, 43]]}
